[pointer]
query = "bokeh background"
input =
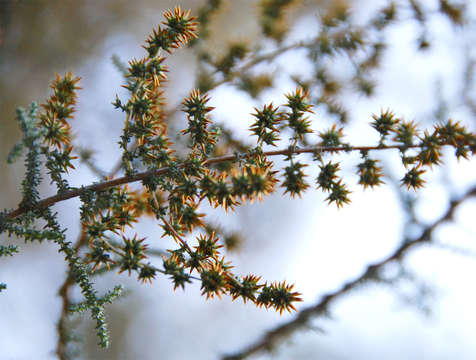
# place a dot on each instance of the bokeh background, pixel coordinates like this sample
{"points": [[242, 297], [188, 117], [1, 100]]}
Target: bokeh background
{"points": [[303, 241]]}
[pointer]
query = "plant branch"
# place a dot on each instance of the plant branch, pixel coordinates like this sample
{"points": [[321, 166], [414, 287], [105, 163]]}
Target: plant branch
{"points": [[101, 186], [65, 292], [272, 337]]}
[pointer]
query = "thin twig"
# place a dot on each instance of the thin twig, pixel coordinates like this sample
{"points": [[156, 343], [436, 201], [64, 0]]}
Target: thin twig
{"points": [[65, 292], [468, 83], [272, 337], [177, 236]]}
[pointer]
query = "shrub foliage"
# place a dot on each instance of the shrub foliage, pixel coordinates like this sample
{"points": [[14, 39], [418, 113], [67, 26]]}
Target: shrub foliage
{"points": [[215, 168]]}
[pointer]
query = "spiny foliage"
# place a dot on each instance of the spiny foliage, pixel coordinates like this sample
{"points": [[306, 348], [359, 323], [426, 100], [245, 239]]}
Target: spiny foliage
{"points": [[174, 186]]}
